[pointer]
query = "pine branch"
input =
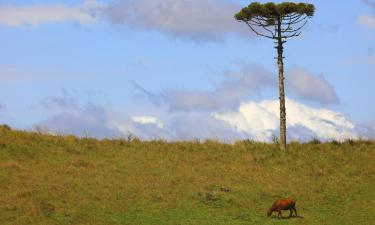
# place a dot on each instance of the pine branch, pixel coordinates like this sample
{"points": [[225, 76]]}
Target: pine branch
{"points": [[257, 33]]}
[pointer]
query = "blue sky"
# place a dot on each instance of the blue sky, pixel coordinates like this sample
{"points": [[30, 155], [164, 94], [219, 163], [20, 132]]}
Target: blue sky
{"points": [[179, 70]]}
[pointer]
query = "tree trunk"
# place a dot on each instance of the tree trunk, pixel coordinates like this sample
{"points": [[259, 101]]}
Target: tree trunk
{"points": [[280, 64]]}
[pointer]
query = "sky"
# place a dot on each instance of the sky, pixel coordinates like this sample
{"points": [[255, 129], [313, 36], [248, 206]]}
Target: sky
{"points": [[183, 70]]}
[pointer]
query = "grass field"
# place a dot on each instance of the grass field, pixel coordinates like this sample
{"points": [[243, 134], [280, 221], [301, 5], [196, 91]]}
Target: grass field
{"points": [[68, 180]]}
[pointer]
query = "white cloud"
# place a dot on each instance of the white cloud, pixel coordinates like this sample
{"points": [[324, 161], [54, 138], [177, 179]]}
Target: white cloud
{"points": [[19, 15], [252, 119], [367, 21], [196, 19], [261, 120], [148, 120]]}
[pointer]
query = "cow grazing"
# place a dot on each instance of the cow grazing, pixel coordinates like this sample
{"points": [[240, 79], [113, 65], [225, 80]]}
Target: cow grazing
{"points": [[283, 204]]}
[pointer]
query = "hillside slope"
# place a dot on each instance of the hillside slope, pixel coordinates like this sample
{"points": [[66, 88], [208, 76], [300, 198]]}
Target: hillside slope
{"points": [[66, 180]]}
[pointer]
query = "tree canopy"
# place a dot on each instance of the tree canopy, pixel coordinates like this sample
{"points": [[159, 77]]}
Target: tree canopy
{"points": [[285, 14], [272, 10]]}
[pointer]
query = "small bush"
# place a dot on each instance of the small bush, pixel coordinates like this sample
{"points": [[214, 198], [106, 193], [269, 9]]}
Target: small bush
{"points": [[275, 140], [5, 127], [314, 141], [335, 142]]}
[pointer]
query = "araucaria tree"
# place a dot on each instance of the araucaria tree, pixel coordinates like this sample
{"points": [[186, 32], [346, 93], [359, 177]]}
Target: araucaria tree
{"points": [[279, 22]]}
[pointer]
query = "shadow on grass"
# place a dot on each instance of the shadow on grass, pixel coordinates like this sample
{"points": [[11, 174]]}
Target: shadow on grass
{"points": [[287, 218]]}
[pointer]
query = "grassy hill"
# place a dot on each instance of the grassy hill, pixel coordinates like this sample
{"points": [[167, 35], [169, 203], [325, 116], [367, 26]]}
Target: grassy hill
{"points": [[67, 180]]}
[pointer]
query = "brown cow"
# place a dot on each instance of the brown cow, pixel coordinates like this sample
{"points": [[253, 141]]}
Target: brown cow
{"points": [[283, 204]]}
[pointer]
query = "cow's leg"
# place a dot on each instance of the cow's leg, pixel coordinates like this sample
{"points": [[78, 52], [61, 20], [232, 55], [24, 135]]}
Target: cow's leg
{"points": [[295, 210]]}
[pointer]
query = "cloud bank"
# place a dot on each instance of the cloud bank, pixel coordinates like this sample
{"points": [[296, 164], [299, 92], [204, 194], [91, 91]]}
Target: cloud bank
{"points": [[70, 117], [255, 120], [224, 113]]}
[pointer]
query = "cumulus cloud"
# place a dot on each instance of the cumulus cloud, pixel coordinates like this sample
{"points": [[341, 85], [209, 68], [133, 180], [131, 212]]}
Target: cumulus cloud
{"points": [[261, 121], [196, 19], [310, 87], [19, 15]]}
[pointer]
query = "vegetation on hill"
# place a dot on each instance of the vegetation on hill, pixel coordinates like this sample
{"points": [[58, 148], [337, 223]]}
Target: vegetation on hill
{"points": [[68, 180]]}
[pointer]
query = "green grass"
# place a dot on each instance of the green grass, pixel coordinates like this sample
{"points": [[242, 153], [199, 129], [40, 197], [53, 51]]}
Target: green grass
{"points": [[68, 180]]}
